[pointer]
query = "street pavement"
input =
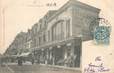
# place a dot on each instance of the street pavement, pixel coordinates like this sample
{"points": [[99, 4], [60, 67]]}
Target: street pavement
{"points": [[36, 68], [5, 69]]}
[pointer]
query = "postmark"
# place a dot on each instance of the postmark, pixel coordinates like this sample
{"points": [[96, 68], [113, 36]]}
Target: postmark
{"points": [[102, 33]]}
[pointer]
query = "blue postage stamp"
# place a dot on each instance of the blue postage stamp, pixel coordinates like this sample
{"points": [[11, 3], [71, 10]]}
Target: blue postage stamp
{"points": [[102, 35]]}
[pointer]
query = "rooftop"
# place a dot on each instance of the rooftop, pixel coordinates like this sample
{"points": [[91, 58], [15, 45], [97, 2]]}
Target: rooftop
{"points": [[77, 4]]}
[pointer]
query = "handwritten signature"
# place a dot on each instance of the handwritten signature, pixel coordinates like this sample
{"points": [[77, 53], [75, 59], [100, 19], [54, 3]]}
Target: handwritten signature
{"points": [[92, 68]]}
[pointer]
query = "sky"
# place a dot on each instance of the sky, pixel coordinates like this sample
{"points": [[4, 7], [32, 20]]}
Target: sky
{"points": [[21, 15]]}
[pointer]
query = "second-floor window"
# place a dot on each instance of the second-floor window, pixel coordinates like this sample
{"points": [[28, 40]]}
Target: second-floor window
{"points": [[68, 28], [39, 40], [61, 30], [44, 38]]}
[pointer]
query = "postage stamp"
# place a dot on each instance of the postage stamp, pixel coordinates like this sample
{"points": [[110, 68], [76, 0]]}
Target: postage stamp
{"points": [[102, 35]]}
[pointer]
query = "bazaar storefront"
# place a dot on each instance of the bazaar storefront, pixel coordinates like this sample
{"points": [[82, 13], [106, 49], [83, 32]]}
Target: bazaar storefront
{"points": [[64, 53]]}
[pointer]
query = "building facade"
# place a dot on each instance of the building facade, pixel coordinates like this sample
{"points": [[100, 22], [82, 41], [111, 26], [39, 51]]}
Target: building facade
{"points": [[57, 38]]}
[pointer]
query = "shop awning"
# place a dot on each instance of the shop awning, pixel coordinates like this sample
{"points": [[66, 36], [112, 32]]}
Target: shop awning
{"points": [[24, 54]]}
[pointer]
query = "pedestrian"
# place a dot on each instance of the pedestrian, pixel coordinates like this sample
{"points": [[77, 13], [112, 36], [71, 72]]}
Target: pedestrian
{"points": [[32, 61], [20, 61]]}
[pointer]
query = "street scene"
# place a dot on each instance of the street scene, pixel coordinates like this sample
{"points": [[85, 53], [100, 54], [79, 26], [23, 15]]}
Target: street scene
{"points": [[54, 43]]}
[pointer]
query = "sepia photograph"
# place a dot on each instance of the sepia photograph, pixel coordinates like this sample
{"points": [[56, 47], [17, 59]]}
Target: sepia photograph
{"points": [[56, 36]]}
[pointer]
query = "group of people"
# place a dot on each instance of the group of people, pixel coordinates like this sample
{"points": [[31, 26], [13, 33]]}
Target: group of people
{"points": [[21, 61], [70, 61]]}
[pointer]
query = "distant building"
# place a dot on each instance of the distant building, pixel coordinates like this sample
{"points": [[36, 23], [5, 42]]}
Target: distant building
{"points": [[0, 55], [0, 59], [57, 37], [17, 44]]}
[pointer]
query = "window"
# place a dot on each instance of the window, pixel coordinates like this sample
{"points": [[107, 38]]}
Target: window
{"points": [[67, 28], [44, 38], [40, 26], [57, 30], [53, 33], [62, 30], [49, 35], [39, 40]]}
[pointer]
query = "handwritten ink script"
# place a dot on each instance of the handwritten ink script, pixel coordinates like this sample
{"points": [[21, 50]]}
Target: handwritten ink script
{"points": [[51, 4], [92, 68]]}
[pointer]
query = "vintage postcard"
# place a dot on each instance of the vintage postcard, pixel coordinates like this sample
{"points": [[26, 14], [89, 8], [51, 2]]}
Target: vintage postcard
{"points": [[56, 36]]}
